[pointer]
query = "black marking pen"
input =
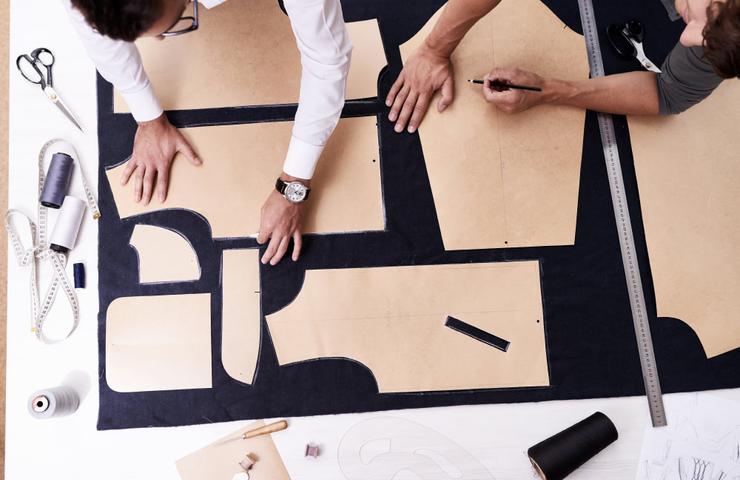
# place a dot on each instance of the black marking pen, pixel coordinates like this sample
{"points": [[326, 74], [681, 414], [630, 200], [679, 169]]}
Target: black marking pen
{"points": [[502, 86]]}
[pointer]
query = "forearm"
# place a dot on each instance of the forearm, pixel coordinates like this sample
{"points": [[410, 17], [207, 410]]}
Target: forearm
{"points": [[325, 58], [457, 18], [633, 93]]}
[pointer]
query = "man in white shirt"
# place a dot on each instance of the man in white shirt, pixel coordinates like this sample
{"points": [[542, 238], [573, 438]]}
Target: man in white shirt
{"points": [[108, 29]]}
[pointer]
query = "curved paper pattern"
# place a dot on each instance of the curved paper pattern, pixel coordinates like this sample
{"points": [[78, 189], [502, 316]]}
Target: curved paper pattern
{"points": [[688, 175], [240, 165], [158, 342], [240, 314], [245, 52], [392, 320], [506, 180], [164, 255], [405, 446]]}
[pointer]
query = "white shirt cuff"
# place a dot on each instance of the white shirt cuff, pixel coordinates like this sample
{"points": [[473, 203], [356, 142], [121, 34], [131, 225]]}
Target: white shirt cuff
{"points": [[302, 157], [143, 104]]}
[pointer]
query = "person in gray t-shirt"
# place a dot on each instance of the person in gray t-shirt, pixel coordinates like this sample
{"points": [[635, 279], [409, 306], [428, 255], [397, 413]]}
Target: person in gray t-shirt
{"points": [[708, 53]]}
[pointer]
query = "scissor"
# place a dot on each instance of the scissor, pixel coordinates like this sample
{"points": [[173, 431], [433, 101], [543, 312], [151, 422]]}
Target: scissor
{"points": [[30, 68], [627, 40]]}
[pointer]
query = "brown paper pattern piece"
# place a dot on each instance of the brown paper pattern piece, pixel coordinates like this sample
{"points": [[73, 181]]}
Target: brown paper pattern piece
{"points": [[164, 255], [158, 343], [240, 165], [220, 460], [245, 52], [240, 336], [392, 320], [688, 172], [504, 180]]}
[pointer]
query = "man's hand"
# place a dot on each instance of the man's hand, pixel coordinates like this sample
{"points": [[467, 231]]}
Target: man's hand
{"points": [[423, 74], [281, 221], [155, 146], [514, 101]]}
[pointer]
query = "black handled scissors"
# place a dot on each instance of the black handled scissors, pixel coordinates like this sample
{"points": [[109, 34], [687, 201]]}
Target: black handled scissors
{"points": [[37, 69], [627, 40]]}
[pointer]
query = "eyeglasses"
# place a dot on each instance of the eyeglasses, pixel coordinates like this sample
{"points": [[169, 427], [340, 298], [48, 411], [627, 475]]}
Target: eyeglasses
{"points": [[184, 24]]}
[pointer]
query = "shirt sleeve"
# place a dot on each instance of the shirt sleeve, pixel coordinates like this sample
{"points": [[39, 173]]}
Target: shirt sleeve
{"points": [[687, 79], [118, 62], [325, 48]]}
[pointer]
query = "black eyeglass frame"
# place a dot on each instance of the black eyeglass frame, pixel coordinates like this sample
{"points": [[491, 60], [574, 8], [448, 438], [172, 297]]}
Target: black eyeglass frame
{"points": [[193, 26]]}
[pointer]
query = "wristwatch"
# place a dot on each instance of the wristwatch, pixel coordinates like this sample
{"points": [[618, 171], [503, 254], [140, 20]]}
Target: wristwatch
{"points": [[294, 192]]}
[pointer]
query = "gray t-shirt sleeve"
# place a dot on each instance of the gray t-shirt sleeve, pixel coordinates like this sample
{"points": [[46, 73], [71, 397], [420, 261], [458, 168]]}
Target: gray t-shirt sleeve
{"points": [[687, 79]]}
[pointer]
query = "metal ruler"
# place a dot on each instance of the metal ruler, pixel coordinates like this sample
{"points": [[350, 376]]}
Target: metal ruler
{"points": [[624, 228]]}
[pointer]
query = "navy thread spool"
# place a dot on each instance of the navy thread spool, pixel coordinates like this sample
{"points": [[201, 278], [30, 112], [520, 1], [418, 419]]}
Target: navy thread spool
{"points": [[560, 455], [79, 274], [57, 181]]}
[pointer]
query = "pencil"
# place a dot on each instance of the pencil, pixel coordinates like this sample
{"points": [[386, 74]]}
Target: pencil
{"points": [[499, 85]]}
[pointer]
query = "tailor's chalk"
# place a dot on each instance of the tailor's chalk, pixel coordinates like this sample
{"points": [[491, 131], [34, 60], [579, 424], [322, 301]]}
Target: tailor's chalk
{"points": [[560, 455], [478, 334], [499, 85], [79, 275]]}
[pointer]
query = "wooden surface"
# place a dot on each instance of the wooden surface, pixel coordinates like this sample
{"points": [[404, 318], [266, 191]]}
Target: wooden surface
{"points": [[4, 29]]}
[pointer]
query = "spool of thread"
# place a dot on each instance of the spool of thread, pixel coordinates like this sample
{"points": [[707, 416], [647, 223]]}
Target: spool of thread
{"points": [[53, 402], [560, 455], [79, 275], [64, 236], [57, 180]]}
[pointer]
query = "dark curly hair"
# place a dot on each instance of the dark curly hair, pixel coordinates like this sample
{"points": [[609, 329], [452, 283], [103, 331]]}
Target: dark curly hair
{"points": [[120, 19], [722, 38]]}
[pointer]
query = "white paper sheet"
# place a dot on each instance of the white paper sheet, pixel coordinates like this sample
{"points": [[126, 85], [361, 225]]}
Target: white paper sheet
{"points": [[702, 442]]}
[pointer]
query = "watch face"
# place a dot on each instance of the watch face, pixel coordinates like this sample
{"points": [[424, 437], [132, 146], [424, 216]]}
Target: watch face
{"points": [[295, 192]]}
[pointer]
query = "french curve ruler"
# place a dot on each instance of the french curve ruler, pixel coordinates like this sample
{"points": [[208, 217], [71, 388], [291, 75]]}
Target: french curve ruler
{"points": [[624, 228]]}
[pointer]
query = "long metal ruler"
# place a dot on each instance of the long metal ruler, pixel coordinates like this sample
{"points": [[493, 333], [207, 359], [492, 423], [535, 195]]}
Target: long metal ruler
{"points": [[624, 227]]}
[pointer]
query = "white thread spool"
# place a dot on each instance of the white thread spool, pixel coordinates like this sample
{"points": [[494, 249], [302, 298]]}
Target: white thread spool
{"points": [[64, 236], [53, 402]]}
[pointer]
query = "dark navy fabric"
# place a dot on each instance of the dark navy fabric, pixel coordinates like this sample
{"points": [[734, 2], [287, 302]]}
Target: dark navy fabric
{"points": [[590, 337]]}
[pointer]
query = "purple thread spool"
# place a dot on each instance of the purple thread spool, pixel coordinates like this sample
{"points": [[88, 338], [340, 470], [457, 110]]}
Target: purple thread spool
{"points": [[57, 180]]}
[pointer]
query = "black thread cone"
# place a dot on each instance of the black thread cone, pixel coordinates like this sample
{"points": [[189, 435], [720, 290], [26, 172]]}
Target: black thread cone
{"points": [[560, 455]]}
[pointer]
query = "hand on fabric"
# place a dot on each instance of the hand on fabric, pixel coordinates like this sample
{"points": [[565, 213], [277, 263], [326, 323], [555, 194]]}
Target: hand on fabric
{"points": [[514, 101], [155, 145], [424, 73], [280, 221]]}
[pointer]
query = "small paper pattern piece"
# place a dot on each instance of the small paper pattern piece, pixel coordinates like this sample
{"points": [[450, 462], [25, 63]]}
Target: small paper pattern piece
{"points": [[159, 342], [164, 255], [221, 459]]}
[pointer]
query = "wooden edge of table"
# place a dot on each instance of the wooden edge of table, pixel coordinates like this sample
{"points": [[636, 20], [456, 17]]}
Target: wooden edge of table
{"points": [[4, 45]]}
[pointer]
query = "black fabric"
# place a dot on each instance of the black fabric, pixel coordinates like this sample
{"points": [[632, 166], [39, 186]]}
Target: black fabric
{"points": [[590, 337]]}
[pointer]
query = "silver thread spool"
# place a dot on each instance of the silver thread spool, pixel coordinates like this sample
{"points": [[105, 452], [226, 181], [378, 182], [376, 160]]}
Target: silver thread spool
{"points": [[64, 236], [57, 180], [53, 402]]}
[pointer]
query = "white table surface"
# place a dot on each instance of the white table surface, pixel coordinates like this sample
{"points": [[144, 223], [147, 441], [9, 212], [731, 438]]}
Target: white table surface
{"points": [[72, 448]]}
